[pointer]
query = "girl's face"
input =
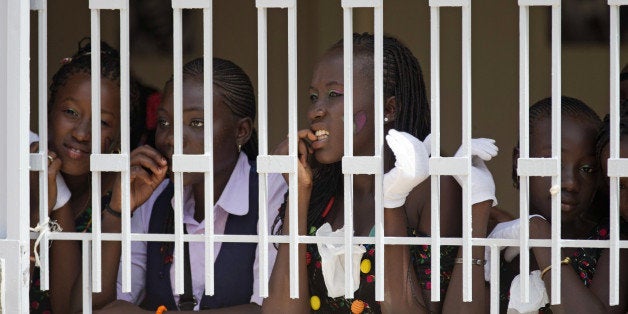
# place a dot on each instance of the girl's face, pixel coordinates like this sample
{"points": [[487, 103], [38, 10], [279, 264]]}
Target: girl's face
{"points": [[226, 129], [326, 111], [579, 169], [623, 182], [70, 121]]}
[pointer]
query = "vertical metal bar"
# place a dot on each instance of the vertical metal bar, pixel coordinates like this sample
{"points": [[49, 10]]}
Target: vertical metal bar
{"points": [[348, 146], [125, 254], [87, 291], [178, 147], [262, 123], [466, 144], [435, 144], [42, 26], [495, 279], [614, 153], [96, 135], [524, 150], [208, 98], [292, 129], [556, 136], [378, 63]]}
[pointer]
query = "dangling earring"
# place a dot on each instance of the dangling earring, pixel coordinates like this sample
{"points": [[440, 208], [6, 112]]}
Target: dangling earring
{"points": [[385, 119], [239, 148]]}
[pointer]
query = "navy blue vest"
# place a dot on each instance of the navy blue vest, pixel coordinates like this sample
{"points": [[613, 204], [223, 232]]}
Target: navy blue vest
{"points": [[233, 266]]}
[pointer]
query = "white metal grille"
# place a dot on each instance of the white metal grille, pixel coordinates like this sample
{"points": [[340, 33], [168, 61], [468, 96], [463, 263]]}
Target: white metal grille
{"points": [[461, 166]]}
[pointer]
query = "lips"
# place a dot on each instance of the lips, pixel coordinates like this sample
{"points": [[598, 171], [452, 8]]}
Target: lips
{"points": [[322, 135], [568, 206], [76, 152]]}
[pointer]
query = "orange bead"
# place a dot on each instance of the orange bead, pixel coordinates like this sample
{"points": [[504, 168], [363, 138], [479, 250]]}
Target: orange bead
{"points": [[357, 306]]}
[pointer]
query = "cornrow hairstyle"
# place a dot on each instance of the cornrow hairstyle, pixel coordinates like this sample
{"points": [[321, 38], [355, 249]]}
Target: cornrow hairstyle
{"points": [[236, 89], [569, 106], [403, 79], [603, 136], [80, 62]]}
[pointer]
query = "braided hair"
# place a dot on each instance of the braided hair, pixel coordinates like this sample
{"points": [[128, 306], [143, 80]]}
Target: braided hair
{"points": [[569, 106], [81, 62], [403, 79], [236, 89], [603, 136]]}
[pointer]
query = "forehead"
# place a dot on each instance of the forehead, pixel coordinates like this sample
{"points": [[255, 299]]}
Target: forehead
{"points": [[330, 68], [78, 88], [193, 96], [575, 132]]}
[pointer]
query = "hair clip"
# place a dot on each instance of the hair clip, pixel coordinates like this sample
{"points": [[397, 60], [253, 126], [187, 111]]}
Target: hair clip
{"points": [[66, 60]]}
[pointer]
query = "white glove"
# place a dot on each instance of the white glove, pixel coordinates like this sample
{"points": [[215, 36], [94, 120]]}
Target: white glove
{"points": [[504, 230], [482, 184], [411, 166], [333, 262], [63, 192], [538, 294]]}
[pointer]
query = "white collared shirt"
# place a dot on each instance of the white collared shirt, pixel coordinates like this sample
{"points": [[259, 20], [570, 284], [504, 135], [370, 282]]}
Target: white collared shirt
{"points": [[231, 201]]}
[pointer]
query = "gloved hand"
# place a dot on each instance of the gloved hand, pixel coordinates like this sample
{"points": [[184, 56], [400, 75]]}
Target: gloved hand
{"points": [[504, 230], [482, 184], [61, 190], [411, 166]]}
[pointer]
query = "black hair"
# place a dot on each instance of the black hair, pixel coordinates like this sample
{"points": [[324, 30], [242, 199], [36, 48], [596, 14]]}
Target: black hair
{"points": [[80, 62], [569, 106], [403, 79], [603, 136], [237, 91]]}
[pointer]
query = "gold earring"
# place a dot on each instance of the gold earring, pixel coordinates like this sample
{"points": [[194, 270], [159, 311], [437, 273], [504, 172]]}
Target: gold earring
{"points": [[239, 148]]}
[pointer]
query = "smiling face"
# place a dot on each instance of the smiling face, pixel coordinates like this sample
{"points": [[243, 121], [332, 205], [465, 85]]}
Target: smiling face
{"points": [[579, 169], [326, 111], [225, 129], [623, 182], [70, 119]]}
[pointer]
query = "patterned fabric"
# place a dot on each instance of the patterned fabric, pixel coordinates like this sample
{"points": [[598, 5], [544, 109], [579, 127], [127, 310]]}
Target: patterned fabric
{"points": [[40, 300], [364, 301]]}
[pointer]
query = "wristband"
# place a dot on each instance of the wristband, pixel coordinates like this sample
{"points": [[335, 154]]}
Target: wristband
{"points": [[112, 212], [565, 261], [474, 261]]}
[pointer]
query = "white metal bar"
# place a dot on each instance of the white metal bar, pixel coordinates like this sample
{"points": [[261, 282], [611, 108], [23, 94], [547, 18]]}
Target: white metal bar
{"points": [[544, 167], [292, 129], [364, 164], [613, 161], [495, 261], [466, 144], [125, 147], [435, 146], [281, 4], [617, 2], [191, 4], [108, 162], [194, 163], [178, 146], [378, 64], [274, 164], [449, 3], [87, 291], [448, 166], [42, 94], [96, 243], [348, 146], [362, 4], [262, 122], [524, 149], [538, 2], [556, 151], [109, 4], [208, 113]]}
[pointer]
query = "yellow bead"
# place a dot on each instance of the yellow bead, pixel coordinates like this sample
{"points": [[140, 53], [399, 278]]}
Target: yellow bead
{"points": [[315, 302], [365, 266], [357, 307]]}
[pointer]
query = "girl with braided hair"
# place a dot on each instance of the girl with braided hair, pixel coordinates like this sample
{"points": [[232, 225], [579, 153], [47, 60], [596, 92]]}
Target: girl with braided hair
{"points": [[235, 193], [406, 198], [69, 176]]}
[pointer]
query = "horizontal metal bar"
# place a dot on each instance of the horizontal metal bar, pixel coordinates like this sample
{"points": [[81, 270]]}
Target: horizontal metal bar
{"points": [[37, 5], [538, 167], [530, 3], [617, 2], [618, 167], [361, 3], [37, 161], [109, 4], [275, 164], [283, 4], [447, 166], [191, 163], [191, 4], [109, 162], [362, 165], [449, 3]]}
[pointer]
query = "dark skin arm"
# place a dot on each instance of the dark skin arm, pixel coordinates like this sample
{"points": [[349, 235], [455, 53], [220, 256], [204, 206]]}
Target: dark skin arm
{"points": [[453, 300], [575, 297]]}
